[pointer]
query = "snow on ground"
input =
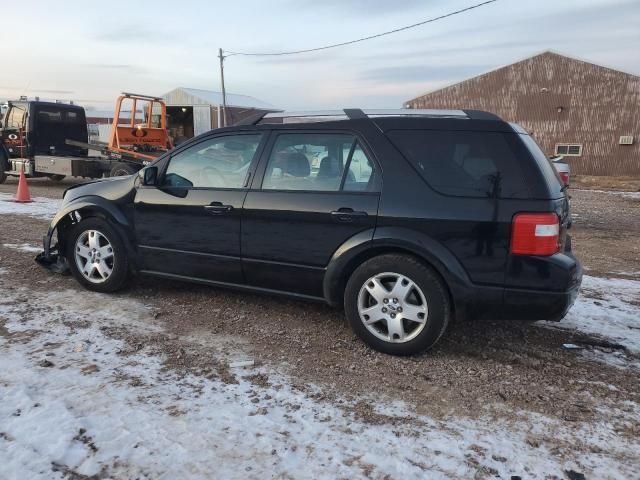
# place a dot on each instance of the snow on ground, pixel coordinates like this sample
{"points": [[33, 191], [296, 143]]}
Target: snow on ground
{"points": [[631, 195], [94, 410], [24, 247], [41, 207], [608, 308]]}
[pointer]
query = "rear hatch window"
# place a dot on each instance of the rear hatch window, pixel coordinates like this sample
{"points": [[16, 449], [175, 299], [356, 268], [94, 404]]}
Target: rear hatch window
{"points": [[465, 163], [551, 176]]}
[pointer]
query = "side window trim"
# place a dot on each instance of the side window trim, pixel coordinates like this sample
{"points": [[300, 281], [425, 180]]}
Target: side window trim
{"points": [[347, 165], [188, 145]]}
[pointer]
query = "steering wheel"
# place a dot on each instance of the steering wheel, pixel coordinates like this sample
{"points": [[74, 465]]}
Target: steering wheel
{"points": [[213, 170]]}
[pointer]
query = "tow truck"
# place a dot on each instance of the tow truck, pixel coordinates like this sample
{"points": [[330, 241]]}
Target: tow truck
{"points": [[49, 139]]}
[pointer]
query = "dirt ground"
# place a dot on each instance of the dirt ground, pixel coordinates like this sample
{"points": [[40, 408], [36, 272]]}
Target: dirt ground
{"points": [[621, 184], [484, 368]]}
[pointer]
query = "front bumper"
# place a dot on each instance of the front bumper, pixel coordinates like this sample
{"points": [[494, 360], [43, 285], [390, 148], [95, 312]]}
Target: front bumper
{"points": [[50, 258]]}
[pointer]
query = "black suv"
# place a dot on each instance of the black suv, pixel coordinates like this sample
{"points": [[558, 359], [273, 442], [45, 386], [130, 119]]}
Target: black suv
{"points": [[409, 219]]}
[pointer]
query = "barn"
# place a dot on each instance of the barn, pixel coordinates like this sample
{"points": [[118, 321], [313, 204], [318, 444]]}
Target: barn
{"points": [[193, 111], [588, 113]]}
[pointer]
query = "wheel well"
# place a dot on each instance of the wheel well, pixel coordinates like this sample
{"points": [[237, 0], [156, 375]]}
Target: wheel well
{"points": [[88, 212], [368, 254]]}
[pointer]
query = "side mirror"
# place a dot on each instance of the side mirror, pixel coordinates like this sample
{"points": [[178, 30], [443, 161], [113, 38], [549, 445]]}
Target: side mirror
{"points": [[150, 176]]}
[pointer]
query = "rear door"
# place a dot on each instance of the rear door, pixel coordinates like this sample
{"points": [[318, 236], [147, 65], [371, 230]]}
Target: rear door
{"points": [[479, 184], [189, 226], [314, 190]]}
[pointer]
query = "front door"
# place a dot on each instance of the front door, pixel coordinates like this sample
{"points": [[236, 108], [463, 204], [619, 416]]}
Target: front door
{"points": [[189, 225], [317, 191]]}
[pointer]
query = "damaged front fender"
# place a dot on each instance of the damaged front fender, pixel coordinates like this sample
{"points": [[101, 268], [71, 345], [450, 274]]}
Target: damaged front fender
{"points": [[52, 257]]}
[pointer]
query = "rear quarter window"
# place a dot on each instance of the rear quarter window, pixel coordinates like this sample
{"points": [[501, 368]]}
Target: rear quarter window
{"points": [[465, 163]]}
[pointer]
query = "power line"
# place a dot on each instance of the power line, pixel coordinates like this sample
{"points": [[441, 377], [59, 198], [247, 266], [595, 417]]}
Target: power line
{"points": [[358, 40]]}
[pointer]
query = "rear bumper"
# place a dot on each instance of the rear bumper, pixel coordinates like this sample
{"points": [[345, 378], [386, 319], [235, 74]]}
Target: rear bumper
{"points": [[517, 302], [526, 304]]}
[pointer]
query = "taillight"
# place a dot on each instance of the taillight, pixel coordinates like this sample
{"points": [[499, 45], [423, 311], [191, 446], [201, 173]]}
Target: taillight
{"points": [[535, 234], [564, 176]]}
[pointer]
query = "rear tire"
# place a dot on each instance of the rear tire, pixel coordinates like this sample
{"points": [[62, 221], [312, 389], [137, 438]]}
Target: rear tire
{"points": [[57, 178], [397, 305], [122, 169], [96, 255]]}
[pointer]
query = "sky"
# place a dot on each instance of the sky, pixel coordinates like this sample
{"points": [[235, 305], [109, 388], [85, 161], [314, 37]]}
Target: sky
{"points": [[91, 51]]}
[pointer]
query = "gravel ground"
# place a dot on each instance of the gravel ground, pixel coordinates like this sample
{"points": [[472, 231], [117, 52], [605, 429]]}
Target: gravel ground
{"points": [[488, 368]]}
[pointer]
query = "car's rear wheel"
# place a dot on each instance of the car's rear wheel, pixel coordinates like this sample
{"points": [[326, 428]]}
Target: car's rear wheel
{"points": [[57, 178], [96, 255], [397, 305]]}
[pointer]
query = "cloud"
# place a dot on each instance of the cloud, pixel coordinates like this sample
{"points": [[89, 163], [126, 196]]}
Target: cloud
{"points": [[116, 67], [364, 7], [136, 34], [424, 73], [296, 59], [34, 90]]}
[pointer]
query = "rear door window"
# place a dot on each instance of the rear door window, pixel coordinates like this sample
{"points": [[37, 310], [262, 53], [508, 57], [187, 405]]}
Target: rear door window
{"points": [[465, 163], [325, 162]]}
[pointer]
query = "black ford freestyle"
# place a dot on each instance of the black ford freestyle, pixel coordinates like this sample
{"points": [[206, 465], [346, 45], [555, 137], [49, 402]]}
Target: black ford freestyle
{"points": [[408, 219]]}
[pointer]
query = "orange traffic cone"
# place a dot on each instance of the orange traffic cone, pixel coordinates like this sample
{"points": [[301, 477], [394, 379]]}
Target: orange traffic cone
{"points": [[23, 195]]}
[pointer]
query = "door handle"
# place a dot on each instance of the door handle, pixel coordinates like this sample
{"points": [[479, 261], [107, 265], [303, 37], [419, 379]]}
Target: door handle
{"points": [[347, 214], [217, 208]]}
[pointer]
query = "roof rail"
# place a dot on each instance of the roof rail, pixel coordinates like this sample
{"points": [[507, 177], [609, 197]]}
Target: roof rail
{"points": [[358, 114], [355, 113], [250, 120], [481, 115]]}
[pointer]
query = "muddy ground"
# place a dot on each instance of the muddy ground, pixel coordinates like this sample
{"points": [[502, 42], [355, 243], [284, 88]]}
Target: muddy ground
{"points": [[485, 368]]}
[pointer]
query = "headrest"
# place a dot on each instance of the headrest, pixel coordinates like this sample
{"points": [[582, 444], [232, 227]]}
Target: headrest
{"points": [[296, 165]]}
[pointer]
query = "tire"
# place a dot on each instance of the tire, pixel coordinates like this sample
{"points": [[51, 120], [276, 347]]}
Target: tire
{"points": [[408, 284], [122, 169], [57, 178], [106, 236], [3, 175]]}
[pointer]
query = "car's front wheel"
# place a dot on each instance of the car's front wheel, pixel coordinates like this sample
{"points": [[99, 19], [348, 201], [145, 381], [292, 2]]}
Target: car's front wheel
{"points": [[397, 305], [97, 255]]}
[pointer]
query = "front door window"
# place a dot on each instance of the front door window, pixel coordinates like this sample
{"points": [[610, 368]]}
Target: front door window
{"points": [[220, 162]]}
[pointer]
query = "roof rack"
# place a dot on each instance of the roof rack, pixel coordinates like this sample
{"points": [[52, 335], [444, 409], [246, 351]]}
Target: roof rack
{"points": [[349, 114]]}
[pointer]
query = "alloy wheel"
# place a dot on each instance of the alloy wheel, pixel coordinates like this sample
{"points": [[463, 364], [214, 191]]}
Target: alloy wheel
{"points": [[94, 256], [392, 307]]}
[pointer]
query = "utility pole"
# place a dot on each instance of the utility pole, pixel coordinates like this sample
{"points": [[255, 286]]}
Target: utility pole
{"points": [[224, 94]]}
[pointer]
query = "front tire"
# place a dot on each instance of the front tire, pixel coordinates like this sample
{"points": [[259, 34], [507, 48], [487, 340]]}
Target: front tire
{"points": [[397, 305], [97, 256]]}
